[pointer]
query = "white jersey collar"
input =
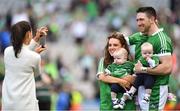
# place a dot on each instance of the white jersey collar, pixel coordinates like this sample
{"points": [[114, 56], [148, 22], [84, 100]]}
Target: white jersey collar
{"points": [[159, 30]]}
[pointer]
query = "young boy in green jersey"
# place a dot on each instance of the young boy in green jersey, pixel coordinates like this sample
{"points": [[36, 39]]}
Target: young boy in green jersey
{"points": [[119, 68], [148, 60]]}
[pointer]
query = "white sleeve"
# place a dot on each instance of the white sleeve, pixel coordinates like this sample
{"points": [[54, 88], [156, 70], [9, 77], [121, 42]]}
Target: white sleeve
{"points": [[127, 40], [37, 68], [33, 44]]}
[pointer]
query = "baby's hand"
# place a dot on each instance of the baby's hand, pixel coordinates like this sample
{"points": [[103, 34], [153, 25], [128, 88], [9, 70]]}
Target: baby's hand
{"points": [[148, 58]]}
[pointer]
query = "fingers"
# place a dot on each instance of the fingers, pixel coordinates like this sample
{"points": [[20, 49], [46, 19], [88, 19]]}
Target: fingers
{"points": [[43, 28], [125, 84], [39, 49], [43, 31], [139, 62]]}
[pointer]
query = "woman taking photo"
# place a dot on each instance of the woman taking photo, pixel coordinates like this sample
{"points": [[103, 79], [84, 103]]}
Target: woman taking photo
{"points": [[21, 64], [114, 42]]}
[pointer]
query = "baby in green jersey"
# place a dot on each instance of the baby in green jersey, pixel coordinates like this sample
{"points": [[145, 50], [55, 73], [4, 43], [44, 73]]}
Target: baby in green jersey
{"points": [[119, 68], [147, 60]]}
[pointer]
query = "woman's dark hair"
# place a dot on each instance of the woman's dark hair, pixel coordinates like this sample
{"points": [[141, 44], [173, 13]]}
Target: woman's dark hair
{"points": [[108, 59], [18, 32], [150, 11]]}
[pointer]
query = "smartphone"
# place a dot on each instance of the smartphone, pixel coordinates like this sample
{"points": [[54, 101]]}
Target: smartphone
{"points": [[42, 41]]}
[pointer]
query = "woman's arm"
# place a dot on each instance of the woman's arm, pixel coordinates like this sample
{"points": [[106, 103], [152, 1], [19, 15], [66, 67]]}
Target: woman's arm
{"points": [[110, 79], [129, 78], [107, 78], [34, 42]]}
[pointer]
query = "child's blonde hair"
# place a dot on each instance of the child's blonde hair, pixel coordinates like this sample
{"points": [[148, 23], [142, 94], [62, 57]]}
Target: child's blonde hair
{"points": [[121, 52], [146, 44]]}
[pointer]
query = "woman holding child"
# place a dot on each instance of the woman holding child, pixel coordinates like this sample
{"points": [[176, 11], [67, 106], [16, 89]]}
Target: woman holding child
{"points": [[115, 42]]}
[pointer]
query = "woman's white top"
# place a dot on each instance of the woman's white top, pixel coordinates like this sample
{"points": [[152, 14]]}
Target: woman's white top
{"points": [[19, 90]]}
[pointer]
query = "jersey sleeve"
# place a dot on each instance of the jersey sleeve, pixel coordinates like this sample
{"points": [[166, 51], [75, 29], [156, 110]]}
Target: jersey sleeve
{"points": [[166, 49], [162, 44], [130, 40], [108, 70], [133, 39], [100, 67], [166, 44]]}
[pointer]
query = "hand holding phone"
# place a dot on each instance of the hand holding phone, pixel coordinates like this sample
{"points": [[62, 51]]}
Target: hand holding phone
{"points": [[43, 42]]}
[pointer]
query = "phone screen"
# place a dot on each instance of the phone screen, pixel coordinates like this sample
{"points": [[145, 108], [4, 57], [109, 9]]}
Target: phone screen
{"points": [[43, 41]]}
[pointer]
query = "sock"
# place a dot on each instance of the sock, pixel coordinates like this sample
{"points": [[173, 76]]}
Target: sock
{"points": [[123, 98], [113, 95], [147, 95], [132, 90]]}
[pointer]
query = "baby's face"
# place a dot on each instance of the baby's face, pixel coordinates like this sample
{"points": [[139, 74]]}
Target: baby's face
{"points": [[119, 60], [147, 52]]}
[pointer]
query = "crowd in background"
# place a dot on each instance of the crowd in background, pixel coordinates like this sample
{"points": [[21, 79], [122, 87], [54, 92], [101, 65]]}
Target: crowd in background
{"points": [[77, 34]]}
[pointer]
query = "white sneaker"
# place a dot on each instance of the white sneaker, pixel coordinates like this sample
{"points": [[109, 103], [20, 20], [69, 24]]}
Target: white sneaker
{"points": [[128, 95], [121, 104], [115, 103], [146, 99]]}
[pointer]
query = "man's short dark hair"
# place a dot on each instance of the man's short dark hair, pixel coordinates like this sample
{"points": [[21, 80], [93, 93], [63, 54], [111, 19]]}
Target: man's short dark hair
{"points": [[150, 11]]}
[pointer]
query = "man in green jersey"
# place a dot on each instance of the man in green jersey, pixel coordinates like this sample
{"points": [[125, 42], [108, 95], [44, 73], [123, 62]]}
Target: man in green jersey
{"points": [[149, 32]]}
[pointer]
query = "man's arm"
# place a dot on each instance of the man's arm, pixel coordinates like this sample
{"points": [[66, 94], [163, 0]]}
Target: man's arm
{"points": [[165, 67]]}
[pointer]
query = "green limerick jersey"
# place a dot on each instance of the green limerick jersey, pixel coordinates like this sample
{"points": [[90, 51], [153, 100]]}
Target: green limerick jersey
{"points": [[105, 93], [162, 46], [146, 64], [120, 70], [137, 39]]}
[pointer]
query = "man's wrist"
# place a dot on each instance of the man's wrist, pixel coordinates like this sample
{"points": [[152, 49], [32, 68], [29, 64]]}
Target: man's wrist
{"points": [[144, 69]]}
